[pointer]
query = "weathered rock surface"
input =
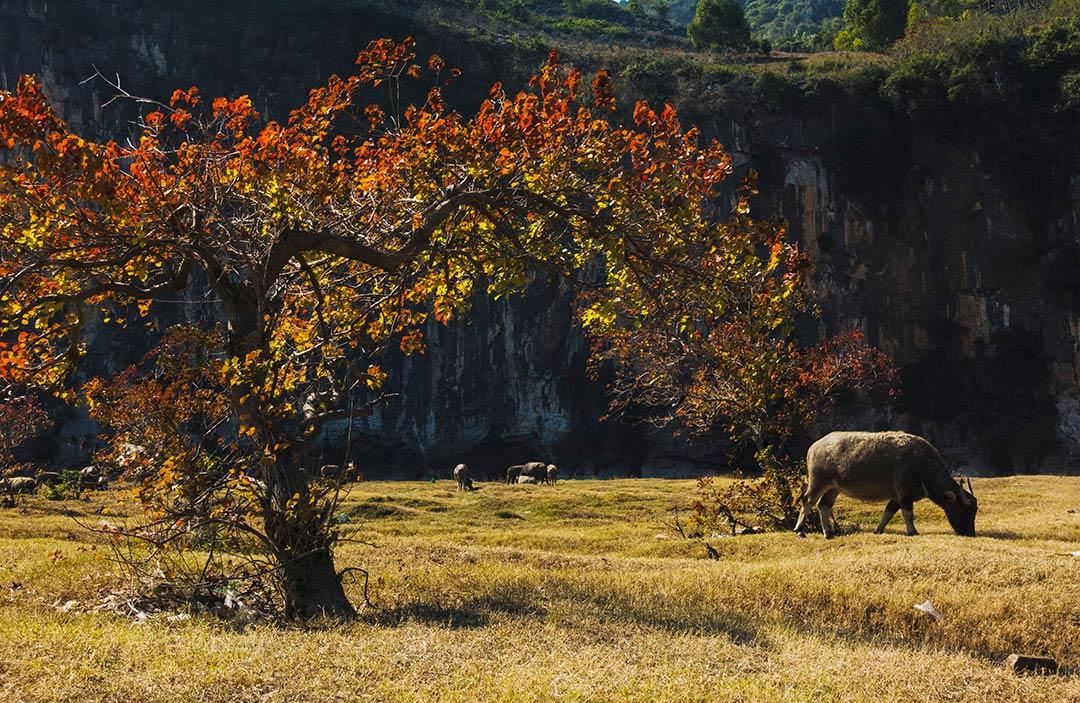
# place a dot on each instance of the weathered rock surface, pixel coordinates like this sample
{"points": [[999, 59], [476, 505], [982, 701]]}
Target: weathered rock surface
{"points": [[927, 246]]}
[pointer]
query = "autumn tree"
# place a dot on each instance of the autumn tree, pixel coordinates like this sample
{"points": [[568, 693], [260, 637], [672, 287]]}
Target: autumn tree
{"points": [[21, 419], [733, 363], [315, 242]]}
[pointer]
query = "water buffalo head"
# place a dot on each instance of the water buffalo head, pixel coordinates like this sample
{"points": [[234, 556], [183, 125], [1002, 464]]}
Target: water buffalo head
{"points": [[960, 507]]}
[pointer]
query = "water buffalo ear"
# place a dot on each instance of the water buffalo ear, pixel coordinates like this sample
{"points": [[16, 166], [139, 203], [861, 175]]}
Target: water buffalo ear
{"points": [[951, 496]]}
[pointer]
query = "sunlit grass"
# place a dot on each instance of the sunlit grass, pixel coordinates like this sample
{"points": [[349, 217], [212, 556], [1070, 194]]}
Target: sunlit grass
{"points": [[581, 592]]}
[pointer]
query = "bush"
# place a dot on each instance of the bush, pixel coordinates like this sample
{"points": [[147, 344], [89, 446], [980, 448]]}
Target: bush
{"points": [[719, 24], [791, 25], [1070, 91], [872, 24], [66, 487]]}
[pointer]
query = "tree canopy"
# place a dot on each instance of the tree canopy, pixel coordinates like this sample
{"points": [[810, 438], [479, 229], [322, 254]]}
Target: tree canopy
{"points": [[735, 364], [719, 24], [315, 242], [872, 24]]}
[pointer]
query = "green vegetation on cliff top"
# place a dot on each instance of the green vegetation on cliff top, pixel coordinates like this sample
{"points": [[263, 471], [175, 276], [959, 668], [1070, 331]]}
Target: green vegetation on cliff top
{"points": [[937, 64]]}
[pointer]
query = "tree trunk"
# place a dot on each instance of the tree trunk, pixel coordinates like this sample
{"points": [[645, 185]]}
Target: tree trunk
{"points": [[313, 589], [295, 521]]}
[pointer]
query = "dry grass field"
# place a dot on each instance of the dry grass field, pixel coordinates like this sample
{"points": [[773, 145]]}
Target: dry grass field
{"points": [[579, 593]]}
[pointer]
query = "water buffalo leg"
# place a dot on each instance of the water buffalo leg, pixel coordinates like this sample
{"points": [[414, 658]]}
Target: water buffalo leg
{"points": [[890, 511], [803, 506], [809, 498], [909, 517], [824, 508]]}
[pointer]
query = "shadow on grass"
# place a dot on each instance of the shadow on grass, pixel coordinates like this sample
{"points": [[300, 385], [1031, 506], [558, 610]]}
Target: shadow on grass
{"points": [[998, 534], [741, 629], [709, 618], [480, 612], [475, 613]]}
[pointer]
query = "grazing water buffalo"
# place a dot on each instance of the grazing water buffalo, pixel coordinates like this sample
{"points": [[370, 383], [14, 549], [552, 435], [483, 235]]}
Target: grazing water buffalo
{"points": [[90, 478], [535, 469], [18, 484], [461, 475], [891, 466], [335, 472]]}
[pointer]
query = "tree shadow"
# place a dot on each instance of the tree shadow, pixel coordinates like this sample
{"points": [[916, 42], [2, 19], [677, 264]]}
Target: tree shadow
{"points": [[428, 614], [475, 613], [739, 627]]}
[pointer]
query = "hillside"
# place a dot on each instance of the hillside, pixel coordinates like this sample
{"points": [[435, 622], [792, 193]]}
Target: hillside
{"points": [[249, 333], [789, 25], [933, 187]]}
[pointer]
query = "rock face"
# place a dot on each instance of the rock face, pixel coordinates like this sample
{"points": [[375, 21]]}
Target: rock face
{"points": [[943, 267], [929, 247]]}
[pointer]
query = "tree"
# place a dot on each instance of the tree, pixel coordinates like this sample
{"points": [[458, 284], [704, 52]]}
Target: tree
{"points": [[733, 363], [315, 242], [719, 24], [661, 9], [21, 419], [872, 25]]}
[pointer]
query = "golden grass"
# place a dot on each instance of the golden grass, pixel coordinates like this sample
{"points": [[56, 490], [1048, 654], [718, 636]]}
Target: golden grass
{"points": [[579, 592]]}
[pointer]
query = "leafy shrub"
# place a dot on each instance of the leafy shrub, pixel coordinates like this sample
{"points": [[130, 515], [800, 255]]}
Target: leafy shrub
{"points": [[872, 24], [791, 25], [719, 24], [1070, 91]]}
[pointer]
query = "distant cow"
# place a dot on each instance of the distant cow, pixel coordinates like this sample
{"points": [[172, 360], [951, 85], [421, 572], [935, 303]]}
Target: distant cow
{"points": [[535, 469], [892, 466], [18, 484], [552, 474], [89, 478], [528, 479], [461, 475], [334, 472]]}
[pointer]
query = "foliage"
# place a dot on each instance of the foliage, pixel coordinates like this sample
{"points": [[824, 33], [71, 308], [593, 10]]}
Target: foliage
{"points": [[733, 363], [766, 406], [872, 24], [789, 25], [587, 18], [792, 25], [67, 487], [21, 419], [323, 239], [719, 24]]}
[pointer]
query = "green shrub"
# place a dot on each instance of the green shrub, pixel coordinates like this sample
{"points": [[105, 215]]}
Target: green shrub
{"points": [[719, 24], [872, 24], [1070, 91]]}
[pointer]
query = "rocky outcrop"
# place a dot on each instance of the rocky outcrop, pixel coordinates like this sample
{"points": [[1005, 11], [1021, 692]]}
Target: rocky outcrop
{"points": [[927, 245], [941, 263]]}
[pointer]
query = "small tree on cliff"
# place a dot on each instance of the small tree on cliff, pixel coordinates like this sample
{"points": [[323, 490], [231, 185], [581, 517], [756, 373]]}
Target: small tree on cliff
{"points": [[719, 24], [872, 25], [321, 239]]}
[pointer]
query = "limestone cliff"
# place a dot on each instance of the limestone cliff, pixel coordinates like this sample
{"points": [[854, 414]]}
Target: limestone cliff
{"points": [[936, 255]]}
